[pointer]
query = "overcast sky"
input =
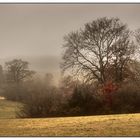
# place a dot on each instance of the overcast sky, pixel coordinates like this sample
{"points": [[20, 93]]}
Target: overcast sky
{"points": [[34, 32]]}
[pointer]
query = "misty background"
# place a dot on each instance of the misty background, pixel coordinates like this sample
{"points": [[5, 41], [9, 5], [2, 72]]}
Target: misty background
{"points": [[34, 32]]}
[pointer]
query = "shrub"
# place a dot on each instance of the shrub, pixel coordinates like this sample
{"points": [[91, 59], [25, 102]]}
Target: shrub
{"points": [[127, 99], [40, 101], [84, 101]]}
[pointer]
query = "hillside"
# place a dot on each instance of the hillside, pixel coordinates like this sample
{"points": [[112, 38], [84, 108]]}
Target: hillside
{"points": [[8, 109], [112, 125], [107, 125]]}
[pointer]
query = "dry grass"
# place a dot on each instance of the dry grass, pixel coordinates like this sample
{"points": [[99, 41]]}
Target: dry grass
{"points": [[111, 125], [107, 125], [8, 109]]}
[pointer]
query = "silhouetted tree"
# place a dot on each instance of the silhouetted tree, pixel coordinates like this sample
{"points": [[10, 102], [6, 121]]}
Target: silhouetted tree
{"points": [[102, 42], [16, 75], [17, 71]]}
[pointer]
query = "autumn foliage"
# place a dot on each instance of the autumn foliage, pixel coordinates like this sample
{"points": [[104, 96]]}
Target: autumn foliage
{"points": [[109, 89]]}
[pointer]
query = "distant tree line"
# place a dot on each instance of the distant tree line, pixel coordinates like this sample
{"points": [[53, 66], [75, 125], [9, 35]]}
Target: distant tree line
{"points": [[103, 62]]}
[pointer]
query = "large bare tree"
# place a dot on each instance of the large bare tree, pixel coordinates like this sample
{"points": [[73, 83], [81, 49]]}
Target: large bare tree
{"points": [[91, 51]]}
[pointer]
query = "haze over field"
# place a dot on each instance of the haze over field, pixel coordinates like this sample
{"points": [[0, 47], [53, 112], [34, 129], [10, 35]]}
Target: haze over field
{"points": [[35, 32], [98, 47]]}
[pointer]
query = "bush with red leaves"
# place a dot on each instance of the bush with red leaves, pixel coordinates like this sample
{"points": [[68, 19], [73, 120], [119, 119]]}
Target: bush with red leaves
{"points": [[108, 90]]}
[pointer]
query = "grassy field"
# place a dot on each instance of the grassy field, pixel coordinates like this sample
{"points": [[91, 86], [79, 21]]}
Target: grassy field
{"points": [[107, 125], [8, 109]]}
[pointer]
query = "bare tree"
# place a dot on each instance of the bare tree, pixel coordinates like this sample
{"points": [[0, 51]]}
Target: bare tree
{"points": [[17, 71], [137, 39], [122, 54], [137, 36], [102, 43]]}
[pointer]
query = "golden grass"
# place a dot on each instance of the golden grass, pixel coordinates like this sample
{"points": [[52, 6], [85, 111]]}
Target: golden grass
{"points": [[107, 125]]}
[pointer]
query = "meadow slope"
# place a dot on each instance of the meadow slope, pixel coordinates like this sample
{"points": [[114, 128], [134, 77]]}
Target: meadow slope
{"points": [[8, 109], [106, 125]]}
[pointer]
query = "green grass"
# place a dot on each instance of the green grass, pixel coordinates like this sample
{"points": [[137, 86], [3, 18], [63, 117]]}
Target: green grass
{"points": [[107, 125]]}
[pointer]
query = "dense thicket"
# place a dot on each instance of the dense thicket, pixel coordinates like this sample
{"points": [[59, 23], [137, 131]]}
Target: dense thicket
{"points": [[83, 100]]}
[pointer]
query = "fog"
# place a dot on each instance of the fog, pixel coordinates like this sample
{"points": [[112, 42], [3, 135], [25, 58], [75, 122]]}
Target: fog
{"points": [[34, 32]]}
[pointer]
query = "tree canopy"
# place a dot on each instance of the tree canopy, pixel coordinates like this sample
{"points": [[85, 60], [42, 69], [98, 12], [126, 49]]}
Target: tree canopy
{"points": [[103, 43]]}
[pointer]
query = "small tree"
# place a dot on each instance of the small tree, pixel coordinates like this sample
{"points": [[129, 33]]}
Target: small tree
{"points": [[17, 71]]}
